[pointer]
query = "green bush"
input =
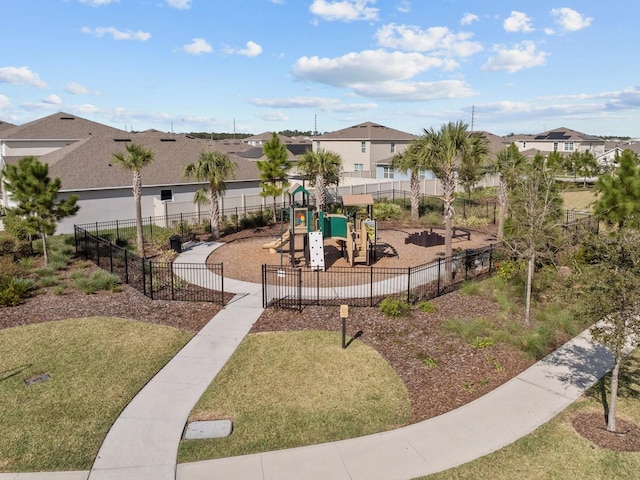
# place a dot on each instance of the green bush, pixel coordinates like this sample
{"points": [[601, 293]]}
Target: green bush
{"points": [[427, 307], [13, 291], [385, 211], [394, 308], [48, 281], [9, 269], [97, 281]]}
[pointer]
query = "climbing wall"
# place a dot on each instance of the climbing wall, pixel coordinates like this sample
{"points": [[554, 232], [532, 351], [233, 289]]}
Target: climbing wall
{"points": [[316, 251]]}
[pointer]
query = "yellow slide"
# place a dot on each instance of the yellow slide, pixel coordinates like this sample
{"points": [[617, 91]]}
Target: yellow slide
{"points": [[278, 242]]}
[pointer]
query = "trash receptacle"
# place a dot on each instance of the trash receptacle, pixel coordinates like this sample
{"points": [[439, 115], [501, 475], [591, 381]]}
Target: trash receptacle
{"points": [[175, 242]]}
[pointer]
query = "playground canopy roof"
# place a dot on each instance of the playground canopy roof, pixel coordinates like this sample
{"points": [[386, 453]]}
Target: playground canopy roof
{"points": [[357, 200]]}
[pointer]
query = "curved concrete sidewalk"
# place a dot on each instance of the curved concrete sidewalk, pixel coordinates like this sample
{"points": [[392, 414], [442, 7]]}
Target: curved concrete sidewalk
{"points": [[143, 442]]}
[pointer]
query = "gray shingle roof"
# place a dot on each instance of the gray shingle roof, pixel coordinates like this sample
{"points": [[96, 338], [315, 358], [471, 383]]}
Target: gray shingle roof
{"points": [[88, 164], [59, 126], [367, 131], [6, 126]]}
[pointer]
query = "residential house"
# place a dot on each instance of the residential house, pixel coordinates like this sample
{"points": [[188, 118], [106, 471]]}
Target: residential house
{"points": [[296, 148], [366, 148], [563, 140], [86, 168]]}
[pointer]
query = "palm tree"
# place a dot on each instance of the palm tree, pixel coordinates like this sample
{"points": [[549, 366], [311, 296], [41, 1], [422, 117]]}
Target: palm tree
{"points": [[443, 151], [216, 168], [409, 160], [322, 168], [507, 162], [136, 158]]}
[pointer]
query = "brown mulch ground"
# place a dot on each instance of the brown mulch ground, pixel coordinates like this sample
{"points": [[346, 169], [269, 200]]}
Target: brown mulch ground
{"points": [[593, 427], [441, 372]]}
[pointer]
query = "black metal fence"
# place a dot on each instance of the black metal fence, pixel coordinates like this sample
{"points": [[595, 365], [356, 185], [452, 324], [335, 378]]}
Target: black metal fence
{"points": [[156, 280], [291, 287]]}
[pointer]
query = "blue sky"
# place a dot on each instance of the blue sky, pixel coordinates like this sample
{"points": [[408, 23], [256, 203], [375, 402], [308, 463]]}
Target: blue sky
{"points": [[270, 65]]}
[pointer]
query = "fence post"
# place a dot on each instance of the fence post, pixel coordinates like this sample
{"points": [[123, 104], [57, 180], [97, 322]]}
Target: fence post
{"points": [[264, 285], [222, 284], [126, 267], [172, 285], [150, 279], [317, 286], [144, 278], [439, 273], [491, 260], [117, 231], [371, 286], [408, 284], [299, 289]]}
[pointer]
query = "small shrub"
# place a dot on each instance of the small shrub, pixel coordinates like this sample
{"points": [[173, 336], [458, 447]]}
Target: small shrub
{"points": [[471, 221], [394, 308], [9, 269], [27, 263], [470, 288], [97, 281], [510, 268], [482, 342], [48, 281], [429, 362], [385, 211], [427, 307], [59, 290], [13, 291]]}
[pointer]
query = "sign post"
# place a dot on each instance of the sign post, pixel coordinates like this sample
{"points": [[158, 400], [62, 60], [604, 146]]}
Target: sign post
{"points": [[344, 313]]}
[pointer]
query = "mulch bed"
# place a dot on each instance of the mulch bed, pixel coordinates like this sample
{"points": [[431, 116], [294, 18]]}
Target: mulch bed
{"points": [[593, 426]]}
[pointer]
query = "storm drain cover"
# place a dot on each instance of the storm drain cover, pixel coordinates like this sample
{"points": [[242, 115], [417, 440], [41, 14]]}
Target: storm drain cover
{"points": [[43, 377], [208, 429]]}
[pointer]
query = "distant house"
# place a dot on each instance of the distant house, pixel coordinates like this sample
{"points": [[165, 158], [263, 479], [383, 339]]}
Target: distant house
{"points": [[296, 148], [367, 147], [563, 140], [83, 162], [385, 170]]}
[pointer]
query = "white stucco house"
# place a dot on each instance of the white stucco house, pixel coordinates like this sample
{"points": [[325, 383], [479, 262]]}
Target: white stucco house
{"points": [[563, 140]]}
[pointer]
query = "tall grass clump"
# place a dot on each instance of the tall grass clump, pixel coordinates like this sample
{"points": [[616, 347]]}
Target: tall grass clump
{"points": [[97, 281]]}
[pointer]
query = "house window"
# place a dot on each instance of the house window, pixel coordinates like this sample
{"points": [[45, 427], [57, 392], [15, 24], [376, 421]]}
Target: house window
{"points": [[393, 147], [363, 147], [387, 172], [555, 146], [568, 146], [318, 144], [422, 175], [358, 167], [166, 195]]}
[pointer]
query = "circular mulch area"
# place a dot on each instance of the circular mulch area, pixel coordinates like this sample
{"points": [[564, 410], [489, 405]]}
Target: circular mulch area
{"points": [[593, 427], [243, 253]]}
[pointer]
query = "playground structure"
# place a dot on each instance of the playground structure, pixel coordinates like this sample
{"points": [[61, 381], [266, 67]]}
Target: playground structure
{"points": [[354, 235]]}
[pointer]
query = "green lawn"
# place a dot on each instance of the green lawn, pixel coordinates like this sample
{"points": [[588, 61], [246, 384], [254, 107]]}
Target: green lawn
{"points": [[288, 389], [96, 366]]}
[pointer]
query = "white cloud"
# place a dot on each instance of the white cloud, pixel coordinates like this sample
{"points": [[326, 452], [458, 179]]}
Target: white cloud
{"points": [[518, 22], [570, 20], [180, 4], [273, 117], [436, 39], [404, 7], [97, 3], [52, 100], [369, 66], [76, 89], [20, 76], [523, 55], [117, 34], [252, 50], [4, 102], [394, 91], [318, 103], [198, 46], [345, 10], [468, 19]]}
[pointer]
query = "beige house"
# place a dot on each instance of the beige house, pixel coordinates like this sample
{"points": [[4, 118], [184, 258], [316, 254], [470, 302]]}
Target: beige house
{"points": [[363, 146], [563, 140]]}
